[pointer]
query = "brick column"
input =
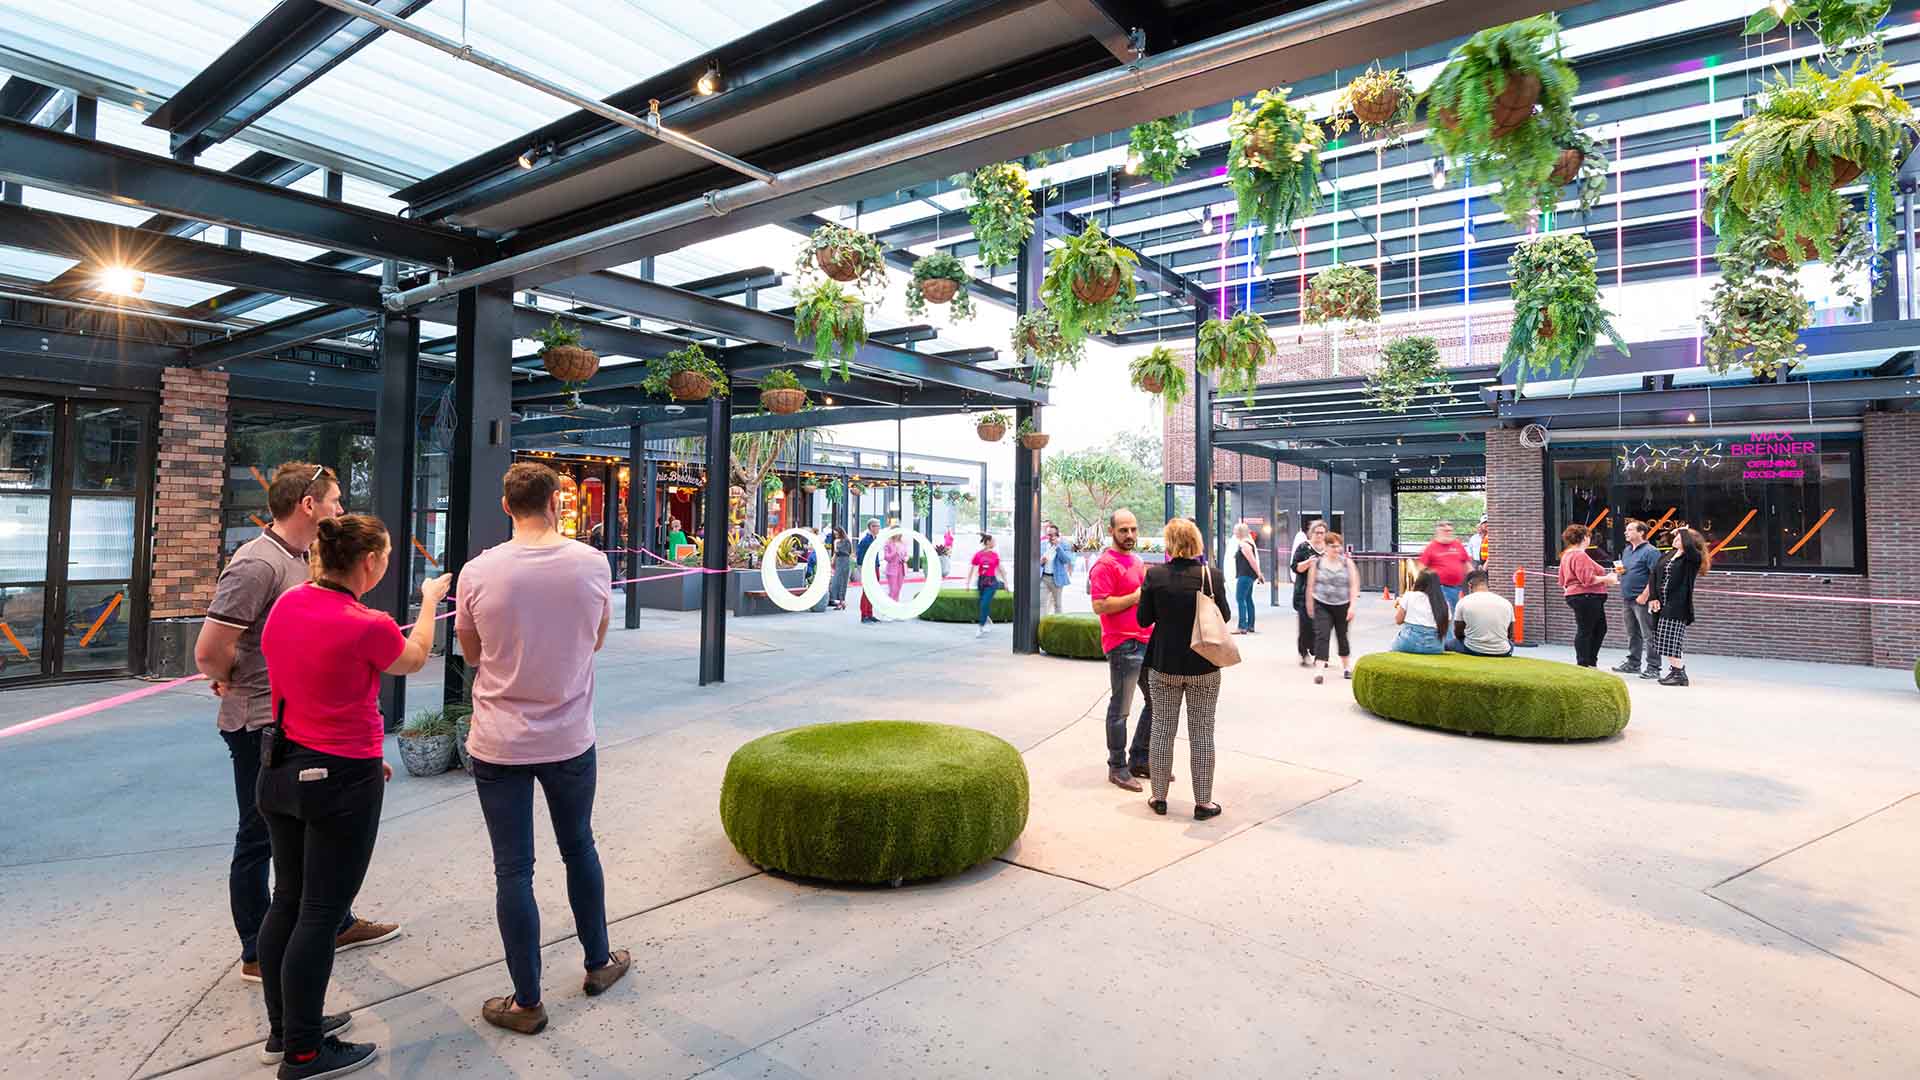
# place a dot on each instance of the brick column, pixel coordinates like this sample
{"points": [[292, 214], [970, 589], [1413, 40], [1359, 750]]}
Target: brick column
{"points": [[1516, 522], [1892, 445], [193, 470]]}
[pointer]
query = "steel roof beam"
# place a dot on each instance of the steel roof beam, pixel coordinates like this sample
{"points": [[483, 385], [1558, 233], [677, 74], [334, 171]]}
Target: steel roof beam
{"points": [[321, 322], [1898, 392]]}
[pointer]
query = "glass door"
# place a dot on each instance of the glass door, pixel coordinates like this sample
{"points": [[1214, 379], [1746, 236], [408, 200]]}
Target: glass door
{"points": [[27, 432]]}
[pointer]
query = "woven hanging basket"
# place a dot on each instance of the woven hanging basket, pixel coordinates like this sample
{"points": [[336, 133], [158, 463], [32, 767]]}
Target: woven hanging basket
{"points": [[1808, 252], [991, 432], [689, 386], [939, 290], [1844, 172], [1036, 441], [1257, 148], [782, 402], [1097, 290], [1151, 384], [571, 363], [1514, 107], [1567, 167], [838, 263], [1376, 108], [1545, 330]]}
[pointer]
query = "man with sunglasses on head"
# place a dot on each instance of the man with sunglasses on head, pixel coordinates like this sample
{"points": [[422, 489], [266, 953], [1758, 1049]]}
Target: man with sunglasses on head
{"points": [[300, 496]]}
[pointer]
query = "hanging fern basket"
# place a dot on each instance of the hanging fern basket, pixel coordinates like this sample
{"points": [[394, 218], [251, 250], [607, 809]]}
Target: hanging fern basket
{"points": [[689, 386], [992, 432], [783, 402], [839, 263], [939, 290], [1150, 383], [1096, 290], [1567, 167], [1035, 441], [1844, 172], [571, 363], [1375, 108], [1515, 103]]}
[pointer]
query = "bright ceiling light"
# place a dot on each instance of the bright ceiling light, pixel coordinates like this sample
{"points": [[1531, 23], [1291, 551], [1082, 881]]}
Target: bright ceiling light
{"points": [[122, 281], [708, 84], [534, 155], [1133, 163]]}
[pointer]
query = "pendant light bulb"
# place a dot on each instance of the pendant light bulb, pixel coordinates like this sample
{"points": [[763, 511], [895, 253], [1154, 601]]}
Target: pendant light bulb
{"points": [[1439, 173], [708, 84]]}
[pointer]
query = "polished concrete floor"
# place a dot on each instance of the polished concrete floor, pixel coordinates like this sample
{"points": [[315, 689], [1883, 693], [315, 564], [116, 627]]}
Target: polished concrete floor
{"points": [[1729, 889]]}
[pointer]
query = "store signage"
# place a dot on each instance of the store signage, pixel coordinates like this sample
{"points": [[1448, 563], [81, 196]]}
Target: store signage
{"points": [[1774, 455]]}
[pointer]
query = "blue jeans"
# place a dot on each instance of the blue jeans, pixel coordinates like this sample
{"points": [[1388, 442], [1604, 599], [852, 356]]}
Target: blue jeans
{"points": [[1417, 639], [988, 586], [506, 801], [247, 874], [1126, 673], [1454, 644], [1243, 600]]}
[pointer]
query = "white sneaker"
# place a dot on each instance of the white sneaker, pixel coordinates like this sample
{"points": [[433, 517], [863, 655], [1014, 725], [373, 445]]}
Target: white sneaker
{"points": [[979, 631]]}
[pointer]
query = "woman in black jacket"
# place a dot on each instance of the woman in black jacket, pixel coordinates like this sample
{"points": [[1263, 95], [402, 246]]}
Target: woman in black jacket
{"points": [[1669, 596], [1308, 550], [1167, 602]]}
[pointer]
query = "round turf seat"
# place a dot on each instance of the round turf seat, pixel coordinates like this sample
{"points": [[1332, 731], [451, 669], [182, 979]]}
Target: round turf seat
{"points": [[874, 801], [1513, 697], [963, 606], [1076, 637]]}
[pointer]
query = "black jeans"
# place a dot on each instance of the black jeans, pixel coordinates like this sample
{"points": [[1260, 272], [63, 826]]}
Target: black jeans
{"points": [[506, 801], [1330, 620], [247, 876], [1126, 672], [1590, 626], [1304, 633], [323, 831]]}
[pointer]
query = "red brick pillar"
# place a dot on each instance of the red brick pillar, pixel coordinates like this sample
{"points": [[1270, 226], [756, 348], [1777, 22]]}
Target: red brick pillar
{"points": [[193, 470], [1892, 446], [1516, 522]]}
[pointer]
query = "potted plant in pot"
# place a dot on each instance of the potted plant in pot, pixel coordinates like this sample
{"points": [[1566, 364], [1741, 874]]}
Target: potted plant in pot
{"points": [[773, 487], [1273, 163], [834, 321], [1089, 285], [940, 278], [1002, 211], [1349, 294], [687, 374], [1503, 103], [837, 491], [992, 426], [1839, 24], [781, 393], [1031, 436], [845, 255], [426, 743], [1408, 366], [1160, 148], [1380, 102], [1556, 309], [1160, 372], [1809, 138], [1581, 163], [1233, 350], [1038, 338], [566, 358], [809, 484]]}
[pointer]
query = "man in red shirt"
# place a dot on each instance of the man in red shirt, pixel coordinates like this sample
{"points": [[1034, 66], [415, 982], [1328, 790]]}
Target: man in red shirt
{"points": [[1114, 583], [1448, 560]]}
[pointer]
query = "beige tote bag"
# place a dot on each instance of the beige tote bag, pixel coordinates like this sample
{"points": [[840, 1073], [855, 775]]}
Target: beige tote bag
{"points": [[1210, 637]]}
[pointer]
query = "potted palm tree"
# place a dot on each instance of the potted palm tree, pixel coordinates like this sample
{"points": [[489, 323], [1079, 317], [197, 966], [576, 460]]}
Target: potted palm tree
{"points": [[939, 278], [1273, 163], [992, 426], [687, 374], [780, 392], [1233, 350], [1503, 104], [1089, 285], [1002, 211], [1160, 372], [1408, 367], [1556, 308], [1160, 148], [845, 255], [1379, 101], [834, 321], [1031, 436], [1349, 294]]}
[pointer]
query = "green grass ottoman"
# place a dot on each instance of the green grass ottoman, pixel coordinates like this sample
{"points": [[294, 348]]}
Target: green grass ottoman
{"points": [[1076, 637], [874, 801], [963, 606], [1508, 696]]}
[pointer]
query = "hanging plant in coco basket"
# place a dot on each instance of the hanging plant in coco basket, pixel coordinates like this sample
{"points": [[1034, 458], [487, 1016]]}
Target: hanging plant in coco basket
{"points": [[1031, 436], [1233, 350], [1380, 102], [834, 322], [1037, 338], [565, 357], [1273, 163], [1089, 286], [992, 426], [1159, 149], [781, 393], [1504, 104], [940, 278], [1002, 211], [1556, 309], [845, 255], [687, 374], [1160, 372], [1349, 294], [1408, 367], [1581, 163]]}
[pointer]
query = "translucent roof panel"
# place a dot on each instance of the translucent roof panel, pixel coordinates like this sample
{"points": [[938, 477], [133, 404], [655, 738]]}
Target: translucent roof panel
{"points": [[154, 47]]}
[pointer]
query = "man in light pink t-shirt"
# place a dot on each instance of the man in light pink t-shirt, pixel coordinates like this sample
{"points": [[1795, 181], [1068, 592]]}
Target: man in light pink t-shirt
{"points": [[532, 613], [1113, 583]]}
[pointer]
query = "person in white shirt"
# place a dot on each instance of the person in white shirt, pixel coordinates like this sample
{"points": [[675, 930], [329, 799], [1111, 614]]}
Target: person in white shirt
{"points": [[1483, 621]]}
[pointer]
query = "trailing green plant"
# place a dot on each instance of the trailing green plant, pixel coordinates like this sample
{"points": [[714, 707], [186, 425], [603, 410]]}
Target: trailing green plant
{"points": [[922, 500], [1027, 427], [1588, 175], [1273, 163], [1556, 308], [1037, 336], [937, 267], [773, 487], [1483, 110], [1348, 293], [1810, 137], [1002, 211], [858, 250], [836, 491], [1757, 309], [557, 334], [1837, 23], [1160, 368], [1233, 350], [1160, 148], [692, 358], [1379, 102], [780, 379], [1089, 285], [1408, 366], [834, 321]]}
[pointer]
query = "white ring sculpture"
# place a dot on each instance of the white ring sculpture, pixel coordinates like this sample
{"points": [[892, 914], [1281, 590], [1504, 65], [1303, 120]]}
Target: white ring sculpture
{"points": [[777, 590], [870, 578]]}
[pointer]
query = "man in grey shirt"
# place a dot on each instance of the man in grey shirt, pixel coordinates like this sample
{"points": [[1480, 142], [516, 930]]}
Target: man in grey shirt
{"points": [[300, 496]]}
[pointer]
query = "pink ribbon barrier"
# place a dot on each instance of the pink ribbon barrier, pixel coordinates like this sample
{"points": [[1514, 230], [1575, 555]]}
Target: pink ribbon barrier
{"points": [[102, 705]]}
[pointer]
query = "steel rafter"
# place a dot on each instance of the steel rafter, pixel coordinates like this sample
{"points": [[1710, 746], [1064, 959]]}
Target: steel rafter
{"points": [[321, 322]]}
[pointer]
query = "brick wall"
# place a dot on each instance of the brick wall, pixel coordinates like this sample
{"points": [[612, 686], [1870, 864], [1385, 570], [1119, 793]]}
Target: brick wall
{"points": [[186, 516], [1514, 522], [1892, 445]]}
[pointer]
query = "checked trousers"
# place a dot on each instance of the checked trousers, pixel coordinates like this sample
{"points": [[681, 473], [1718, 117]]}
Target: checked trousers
{"points": [[1202, 693]]}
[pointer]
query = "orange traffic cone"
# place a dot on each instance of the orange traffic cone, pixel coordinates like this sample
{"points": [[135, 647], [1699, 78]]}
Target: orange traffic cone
{"points": [[1385, 594]]}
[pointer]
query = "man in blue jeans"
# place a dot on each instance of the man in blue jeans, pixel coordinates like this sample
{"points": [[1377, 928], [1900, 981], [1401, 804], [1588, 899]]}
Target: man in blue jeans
{"points": [[1638, 563], [1114, 583], [532, 614]]}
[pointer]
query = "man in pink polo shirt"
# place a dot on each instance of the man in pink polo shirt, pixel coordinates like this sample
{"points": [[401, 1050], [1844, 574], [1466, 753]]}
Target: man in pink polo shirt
{"points": [[1114, 585]]}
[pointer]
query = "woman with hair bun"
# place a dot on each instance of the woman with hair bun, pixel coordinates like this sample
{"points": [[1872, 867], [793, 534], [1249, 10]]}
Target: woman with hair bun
{"points": [[322, 777]]}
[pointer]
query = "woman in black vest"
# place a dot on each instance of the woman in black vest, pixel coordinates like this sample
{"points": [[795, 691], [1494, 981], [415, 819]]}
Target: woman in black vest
{"points": [[1310, 549], [1669, 596], [1168, 602]]}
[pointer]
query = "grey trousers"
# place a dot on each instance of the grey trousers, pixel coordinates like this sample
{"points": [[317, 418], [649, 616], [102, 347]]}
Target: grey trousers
{"points": [[1640, 636], [1202, 693], [1050, 596]]}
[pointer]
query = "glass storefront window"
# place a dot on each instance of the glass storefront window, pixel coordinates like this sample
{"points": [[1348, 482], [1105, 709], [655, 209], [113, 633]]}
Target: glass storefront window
{"points": [[23, 613], [101, 546], [106, 448], [261, 438], [23, 537], [97, 628], [26, 443]]}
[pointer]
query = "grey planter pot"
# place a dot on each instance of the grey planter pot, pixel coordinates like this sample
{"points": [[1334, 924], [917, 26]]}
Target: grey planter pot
{"points": [[464, 759], [427, 756]]}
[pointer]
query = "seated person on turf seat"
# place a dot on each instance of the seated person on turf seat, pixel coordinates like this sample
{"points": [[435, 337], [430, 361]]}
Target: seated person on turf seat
{"points": [[1484, 623], [1421, 613]]}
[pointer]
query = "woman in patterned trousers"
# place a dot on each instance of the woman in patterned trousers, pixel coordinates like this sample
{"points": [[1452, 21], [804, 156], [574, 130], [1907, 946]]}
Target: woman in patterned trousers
{"points": [[1175, 671]]}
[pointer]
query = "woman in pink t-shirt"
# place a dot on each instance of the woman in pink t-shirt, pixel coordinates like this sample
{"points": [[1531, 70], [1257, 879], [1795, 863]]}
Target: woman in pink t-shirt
{"points": [[985, 575], [895, 557], [321, 792]]}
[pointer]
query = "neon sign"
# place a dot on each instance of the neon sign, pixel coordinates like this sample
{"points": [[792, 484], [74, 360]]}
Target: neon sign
{"points": [[1774, 455]]}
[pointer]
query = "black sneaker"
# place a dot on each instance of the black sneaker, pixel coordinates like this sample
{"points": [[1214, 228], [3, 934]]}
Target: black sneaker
{"points": [[329, 1025], [1650, 673], [335, 1058], [1626, 667]]}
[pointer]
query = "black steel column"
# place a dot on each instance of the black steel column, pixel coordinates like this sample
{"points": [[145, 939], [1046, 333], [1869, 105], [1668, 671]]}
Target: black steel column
{"points": [[395, 428], [1026, 534], [713, 585], [1222, 525], [1278, 540], [639, 514], [482, 441], [1326, 498], [1166, 502], [1202, 448]]}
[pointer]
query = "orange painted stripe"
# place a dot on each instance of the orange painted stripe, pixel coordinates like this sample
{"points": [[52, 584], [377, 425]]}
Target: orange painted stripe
{"points": [[1734, 533], [256, 475], [1655, 527], [112, 606], [1816, 528], [255, 518], [8, 630], [422, 549], [1598, 520]]}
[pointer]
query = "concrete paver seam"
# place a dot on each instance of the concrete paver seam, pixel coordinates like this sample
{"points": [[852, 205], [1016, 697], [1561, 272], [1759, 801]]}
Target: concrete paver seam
{"points": [[115, 855], [1246, 828], [1813, 945], [1809, 843]]}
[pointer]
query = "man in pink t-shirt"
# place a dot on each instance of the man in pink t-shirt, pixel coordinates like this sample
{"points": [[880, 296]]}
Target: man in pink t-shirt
{"points": [[532, 613], [1114, 583]]}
